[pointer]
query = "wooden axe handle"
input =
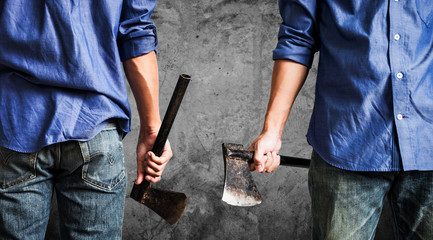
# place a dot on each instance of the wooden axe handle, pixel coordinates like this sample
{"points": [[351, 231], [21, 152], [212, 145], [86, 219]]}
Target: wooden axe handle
{"points": [[284, 160], [158, 147], [170, 114], [295, 161]]}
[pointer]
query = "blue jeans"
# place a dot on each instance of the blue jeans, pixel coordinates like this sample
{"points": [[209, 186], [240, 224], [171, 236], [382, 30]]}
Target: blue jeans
{"points": [[347, 205], [90, 182]]}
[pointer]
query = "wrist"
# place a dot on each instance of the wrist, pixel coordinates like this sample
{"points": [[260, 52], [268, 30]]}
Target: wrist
{"points": [[273, 133], [273, 127], [150, 128]]}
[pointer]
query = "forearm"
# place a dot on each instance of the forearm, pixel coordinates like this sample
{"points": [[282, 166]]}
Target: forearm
{"points": [[288, 78], [142, 75]]}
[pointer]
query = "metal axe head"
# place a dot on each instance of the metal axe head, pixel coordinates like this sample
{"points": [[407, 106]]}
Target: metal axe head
{"points": [[239, 187], [167, 204]]}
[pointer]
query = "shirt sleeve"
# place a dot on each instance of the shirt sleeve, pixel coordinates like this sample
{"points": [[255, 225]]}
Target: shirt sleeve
{"points": [[137, 34], [298, 34]]}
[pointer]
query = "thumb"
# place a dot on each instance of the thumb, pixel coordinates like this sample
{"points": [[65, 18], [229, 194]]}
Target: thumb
{"points": [[259, 159]]}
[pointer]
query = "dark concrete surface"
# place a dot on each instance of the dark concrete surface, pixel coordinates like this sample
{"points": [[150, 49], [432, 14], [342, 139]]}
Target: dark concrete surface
{"points": [[226, 46]]}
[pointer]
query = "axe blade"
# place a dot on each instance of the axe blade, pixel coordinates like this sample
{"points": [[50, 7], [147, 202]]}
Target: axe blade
{"points": [[239, 186], [167, 204]]}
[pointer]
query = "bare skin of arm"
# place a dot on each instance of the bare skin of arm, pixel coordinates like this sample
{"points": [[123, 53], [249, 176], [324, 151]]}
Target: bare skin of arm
{"points": [[288, 77], [142, 75]]}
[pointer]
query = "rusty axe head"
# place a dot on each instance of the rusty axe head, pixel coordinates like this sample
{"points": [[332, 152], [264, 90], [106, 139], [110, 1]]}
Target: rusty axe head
{"points": [[239, 187], [167, 204]]}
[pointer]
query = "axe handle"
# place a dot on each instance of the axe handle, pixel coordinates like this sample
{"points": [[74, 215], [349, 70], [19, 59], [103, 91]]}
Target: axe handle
{"points": [[295, 161], [158, 147], [170, 114], [284, 160]]}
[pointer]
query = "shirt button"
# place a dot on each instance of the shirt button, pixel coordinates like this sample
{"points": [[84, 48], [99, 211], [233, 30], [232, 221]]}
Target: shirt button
{"points": [[397, 37], [399, 117], [399, 75]]}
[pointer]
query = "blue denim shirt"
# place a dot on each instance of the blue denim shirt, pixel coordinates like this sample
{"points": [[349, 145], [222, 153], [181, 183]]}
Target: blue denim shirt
{"points": [[375, 72], [61, 75]]}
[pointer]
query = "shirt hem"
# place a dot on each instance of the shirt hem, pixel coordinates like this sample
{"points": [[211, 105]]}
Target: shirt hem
{"points": [[362, 169], [98, 129]]}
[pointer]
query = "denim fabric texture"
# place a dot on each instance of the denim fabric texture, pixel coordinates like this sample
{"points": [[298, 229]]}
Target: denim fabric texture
{"points": [[89, 179], [348, 204]]}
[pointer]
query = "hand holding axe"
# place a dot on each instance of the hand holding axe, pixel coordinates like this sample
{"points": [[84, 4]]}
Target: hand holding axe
{"points": [[239, 187], [167, 204]]}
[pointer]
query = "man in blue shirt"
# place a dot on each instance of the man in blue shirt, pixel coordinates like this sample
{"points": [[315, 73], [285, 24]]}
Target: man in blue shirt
{"points": [[372, 123], [64, 111]]}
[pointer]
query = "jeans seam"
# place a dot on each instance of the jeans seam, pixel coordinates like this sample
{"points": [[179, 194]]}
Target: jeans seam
{"points": [[103, 185], [397, 232], [59, 154]]}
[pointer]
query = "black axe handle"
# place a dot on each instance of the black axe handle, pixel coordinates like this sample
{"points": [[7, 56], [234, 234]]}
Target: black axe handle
{"points": [[170, 114], [284, 160], [167, 123]]}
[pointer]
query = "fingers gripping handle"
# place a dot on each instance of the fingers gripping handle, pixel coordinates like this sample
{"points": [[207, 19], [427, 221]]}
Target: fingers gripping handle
{"points": [[285, 160]]}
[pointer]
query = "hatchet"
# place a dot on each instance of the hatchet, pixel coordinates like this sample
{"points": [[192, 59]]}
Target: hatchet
{"points": [[167, 204], [239, 186]]}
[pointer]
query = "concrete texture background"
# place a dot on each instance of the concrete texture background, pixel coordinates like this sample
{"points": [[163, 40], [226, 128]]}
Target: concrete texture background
{"points": [[226, 46]]}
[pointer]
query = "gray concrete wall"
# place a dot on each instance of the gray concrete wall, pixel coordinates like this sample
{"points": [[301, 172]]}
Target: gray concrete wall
{"points": [[226, 46]]}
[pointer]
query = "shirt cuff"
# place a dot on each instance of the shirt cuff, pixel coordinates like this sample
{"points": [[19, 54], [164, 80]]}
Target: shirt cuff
{"points": [[296, 45], [295, 53], [143, 42]]}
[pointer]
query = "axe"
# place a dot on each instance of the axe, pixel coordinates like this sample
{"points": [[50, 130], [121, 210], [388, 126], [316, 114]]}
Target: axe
{"points": [[167, 204], [239, 187]]}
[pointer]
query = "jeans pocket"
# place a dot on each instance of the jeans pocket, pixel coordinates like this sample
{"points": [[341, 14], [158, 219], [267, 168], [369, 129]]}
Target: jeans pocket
{"points": [[425, 11], [104, 164], [16, 167]]}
